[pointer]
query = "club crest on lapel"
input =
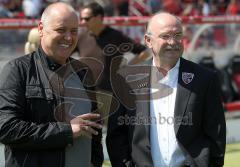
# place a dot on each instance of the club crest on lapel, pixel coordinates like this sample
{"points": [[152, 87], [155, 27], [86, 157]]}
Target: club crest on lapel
{"points": [[187, 77]]}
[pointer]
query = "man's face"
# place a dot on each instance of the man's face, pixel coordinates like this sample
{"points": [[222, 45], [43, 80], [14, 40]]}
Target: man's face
{"points": [[87, 18], [59, 35], [166, 39]]}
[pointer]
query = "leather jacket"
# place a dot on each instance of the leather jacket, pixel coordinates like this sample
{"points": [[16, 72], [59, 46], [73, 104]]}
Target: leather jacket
{"points": [[28, 128]]}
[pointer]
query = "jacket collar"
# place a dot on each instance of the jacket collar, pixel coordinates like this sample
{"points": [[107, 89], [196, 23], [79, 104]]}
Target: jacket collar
{"points": [[183, 92], [47, 62]]}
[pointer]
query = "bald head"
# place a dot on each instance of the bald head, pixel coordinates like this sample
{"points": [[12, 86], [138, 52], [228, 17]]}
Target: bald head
{"points": [[57, 9], [58, 30], [160, 19]]}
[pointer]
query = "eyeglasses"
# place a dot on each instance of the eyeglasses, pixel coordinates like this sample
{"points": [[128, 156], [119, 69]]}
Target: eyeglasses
{"points": [[86, 18], [167, 37]]}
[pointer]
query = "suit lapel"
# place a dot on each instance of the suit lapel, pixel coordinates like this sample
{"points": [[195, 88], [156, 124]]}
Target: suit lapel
{"points": [[182, 97], [183, 92], [142, 105]]}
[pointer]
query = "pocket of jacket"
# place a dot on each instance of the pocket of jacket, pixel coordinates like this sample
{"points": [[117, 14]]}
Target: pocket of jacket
{"points": [[35, 91]]}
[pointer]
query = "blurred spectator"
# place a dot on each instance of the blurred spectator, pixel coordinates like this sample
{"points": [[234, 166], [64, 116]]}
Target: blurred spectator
{"points": [[33, 41], [5, 8], [32, 8], [121, 7], [103, 43], [190, 9], [155, 5], [214, 9], [221, 6], [172, 6], [203, 7], [232, 8], [107, 5]]}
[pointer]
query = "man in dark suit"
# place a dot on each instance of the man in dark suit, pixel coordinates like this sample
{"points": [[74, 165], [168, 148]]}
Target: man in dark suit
{"points": [[173, 116]]}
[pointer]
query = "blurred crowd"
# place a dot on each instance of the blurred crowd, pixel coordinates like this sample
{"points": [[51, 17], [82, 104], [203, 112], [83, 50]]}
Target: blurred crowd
{"points": [[34, 8]]}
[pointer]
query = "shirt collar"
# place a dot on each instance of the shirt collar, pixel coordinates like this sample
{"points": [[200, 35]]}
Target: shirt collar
{"points": [[50, 63], [171, 76]]}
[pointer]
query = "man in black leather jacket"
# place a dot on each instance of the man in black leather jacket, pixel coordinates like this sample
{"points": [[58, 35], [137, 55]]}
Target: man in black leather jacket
{"points": [[46, 100]]}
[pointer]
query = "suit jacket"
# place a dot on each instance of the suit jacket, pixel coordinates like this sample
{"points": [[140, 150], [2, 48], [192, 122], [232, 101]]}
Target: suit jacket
{"points": [[199, 118]]}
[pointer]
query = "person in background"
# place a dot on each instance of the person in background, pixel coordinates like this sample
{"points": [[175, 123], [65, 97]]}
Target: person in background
{"points": [[100, 44], [103, 42], [176, 117], [32, 8], [5, 9], [233, 8], [48, 117]]}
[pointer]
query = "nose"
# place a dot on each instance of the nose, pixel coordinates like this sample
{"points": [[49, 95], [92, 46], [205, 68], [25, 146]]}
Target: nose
{"points": [[83, 22], [68, 36], [172, 41]]}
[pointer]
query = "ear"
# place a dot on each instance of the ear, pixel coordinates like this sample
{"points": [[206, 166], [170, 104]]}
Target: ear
{"points": [[40, 29], [147, 40]]}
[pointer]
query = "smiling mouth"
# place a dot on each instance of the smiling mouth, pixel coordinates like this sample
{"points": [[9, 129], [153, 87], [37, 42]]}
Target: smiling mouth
{"points": [[172, 50], [65, 45]]}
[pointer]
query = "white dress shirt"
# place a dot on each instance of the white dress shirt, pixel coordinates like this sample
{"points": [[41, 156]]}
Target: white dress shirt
{"points": [[164, 145]]}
